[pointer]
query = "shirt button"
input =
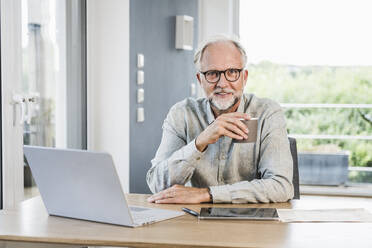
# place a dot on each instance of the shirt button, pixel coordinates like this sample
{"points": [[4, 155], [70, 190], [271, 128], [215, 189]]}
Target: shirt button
{"points": [[198, 158], [223, 157]]}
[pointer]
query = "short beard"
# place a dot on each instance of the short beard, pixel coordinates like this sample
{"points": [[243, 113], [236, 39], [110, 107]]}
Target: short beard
{"points": [[225, 106]]}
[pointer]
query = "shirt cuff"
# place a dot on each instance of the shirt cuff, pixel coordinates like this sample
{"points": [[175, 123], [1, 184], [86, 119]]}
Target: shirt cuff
{"points": [[221, 194], [191, 153]]}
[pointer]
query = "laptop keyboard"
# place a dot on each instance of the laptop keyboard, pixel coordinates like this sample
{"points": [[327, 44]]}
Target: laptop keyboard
{"points": [[137, 209], [140, 216]]}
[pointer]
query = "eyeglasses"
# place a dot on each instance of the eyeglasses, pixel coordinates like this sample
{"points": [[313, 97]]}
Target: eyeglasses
{"points": [[213, 76]]}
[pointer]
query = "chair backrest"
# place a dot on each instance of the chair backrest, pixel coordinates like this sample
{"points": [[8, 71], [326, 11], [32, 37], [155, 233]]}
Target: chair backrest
{"points": [[295, 179]]}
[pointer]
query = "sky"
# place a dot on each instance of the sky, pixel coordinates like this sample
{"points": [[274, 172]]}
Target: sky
{"points": [[307, 32]]}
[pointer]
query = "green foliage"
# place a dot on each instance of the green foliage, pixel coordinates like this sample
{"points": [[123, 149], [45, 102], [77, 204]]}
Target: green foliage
{"points": [[321, 84], [360, 176]]}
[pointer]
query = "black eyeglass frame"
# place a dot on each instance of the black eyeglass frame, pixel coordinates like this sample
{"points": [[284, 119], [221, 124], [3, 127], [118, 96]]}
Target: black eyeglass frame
{"points": [[219, 75]]}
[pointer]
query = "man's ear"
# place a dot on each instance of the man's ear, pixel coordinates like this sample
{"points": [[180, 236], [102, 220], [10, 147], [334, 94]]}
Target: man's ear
{"points": [[245, 73], [198, 77], [245, 76]]}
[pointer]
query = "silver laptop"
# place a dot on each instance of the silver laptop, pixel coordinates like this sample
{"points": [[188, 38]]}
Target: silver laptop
{"points": [[85, 185]]}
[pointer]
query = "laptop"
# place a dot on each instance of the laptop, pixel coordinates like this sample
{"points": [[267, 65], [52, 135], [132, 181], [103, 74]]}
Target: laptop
{"points": [[85, 185]]}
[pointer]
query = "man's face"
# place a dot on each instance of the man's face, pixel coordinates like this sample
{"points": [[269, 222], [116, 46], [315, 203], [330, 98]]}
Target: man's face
{"points": [[220, 56]]}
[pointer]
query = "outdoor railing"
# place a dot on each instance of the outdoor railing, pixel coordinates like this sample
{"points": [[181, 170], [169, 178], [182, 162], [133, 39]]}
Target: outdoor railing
{"points": [[366, 171]]}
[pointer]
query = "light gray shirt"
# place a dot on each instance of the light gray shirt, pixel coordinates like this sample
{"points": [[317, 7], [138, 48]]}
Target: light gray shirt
{"points": [[235, 172]]}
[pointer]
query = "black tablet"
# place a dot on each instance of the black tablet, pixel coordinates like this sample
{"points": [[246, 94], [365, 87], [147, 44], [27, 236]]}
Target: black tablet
{"points": [[239, 213]]}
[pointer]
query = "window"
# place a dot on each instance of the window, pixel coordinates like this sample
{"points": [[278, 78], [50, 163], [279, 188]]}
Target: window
{"points": [[54, 76], [315, 58]]}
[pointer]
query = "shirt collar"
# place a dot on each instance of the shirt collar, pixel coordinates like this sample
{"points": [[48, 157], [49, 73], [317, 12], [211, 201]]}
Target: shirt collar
{"points": [[210, 115], [242, 104]]}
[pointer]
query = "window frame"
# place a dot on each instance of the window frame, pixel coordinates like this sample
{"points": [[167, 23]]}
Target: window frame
{"points": [[76, 83], [11, 77], [351, 189]]}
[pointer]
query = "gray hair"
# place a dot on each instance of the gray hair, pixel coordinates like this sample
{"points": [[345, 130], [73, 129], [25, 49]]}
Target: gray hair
{"points": [[216, 39]]}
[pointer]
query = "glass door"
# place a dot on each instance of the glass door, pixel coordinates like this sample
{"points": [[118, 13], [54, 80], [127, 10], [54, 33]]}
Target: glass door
{"points": [[53, 91]]}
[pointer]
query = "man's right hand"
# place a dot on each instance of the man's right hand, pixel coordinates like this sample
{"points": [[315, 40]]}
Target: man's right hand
{"points": [[228, 124]]}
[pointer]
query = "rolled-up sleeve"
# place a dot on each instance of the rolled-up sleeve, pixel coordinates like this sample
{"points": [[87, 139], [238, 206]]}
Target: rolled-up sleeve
{"points": [[175, 160]]}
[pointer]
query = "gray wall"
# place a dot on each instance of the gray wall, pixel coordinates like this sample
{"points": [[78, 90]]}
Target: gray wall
{"points": [[168, 75]]}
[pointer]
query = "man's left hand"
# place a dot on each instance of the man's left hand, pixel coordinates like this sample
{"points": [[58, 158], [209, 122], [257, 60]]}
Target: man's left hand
{"points": [[181, 194]]}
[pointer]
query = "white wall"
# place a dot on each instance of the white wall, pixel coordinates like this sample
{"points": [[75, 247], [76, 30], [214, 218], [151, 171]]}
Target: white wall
{"points": [[218, 17], [108, 81]]}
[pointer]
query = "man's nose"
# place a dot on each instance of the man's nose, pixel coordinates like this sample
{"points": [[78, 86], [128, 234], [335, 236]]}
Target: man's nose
{"points": [[222, 83]]}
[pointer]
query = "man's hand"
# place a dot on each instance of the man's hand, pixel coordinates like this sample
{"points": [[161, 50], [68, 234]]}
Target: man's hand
{"points": [[228, 124], [181, 194]]}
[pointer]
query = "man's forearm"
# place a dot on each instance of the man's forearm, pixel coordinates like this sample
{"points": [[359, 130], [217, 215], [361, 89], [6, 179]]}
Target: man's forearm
{"points": [[276, 189], [182, 194], [178, 168]]}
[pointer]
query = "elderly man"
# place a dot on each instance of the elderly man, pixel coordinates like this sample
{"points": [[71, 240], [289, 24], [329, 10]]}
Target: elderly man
{"points": [[197, 145]]}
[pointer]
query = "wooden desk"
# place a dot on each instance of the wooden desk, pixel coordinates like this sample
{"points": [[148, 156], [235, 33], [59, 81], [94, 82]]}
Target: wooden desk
{"points": [[31, 223]]}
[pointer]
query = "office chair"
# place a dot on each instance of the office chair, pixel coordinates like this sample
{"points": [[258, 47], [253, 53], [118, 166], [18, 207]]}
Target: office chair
{"points": [[295, 179]]}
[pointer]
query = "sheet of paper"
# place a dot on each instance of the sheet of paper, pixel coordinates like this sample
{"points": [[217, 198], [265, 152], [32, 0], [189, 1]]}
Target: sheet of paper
{"points": [[325, 215]]}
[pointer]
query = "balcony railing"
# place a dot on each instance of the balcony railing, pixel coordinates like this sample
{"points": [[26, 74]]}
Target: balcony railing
{"points": [[365, 173]]}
